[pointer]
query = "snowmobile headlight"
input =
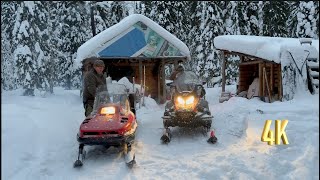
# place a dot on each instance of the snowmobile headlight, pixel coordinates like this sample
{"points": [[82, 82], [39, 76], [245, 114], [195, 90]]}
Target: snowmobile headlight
{"points": [[190, 100], [180, 100], [108, 110]]}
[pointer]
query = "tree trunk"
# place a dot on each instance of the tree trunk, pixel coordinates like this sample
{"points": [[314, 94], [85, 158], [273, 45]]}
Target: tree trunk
{"points": [[93, 24]]}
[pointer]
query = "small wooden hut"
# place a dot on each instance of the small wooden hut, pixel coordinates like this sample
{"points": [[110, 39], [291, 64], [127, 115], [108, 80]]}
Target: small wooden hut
{"points": [[136, 48], [272, 60]]}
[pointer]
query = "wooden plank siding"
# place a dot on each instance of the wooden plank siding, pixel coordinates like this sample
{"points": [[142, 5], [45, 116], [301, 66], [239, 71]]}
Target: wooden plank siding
{"points": [[251, 66]]}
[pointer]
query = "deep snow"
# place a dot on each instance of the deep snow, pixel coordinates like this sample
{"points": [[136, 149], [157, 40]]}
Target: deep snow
{"points": [[39, 141]]}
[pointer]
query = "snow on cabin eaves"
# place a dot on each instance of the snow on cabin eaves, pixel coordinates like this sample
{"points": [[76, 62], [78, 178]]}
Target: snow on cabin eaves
{"points": [[90, 47], [264, 47]]}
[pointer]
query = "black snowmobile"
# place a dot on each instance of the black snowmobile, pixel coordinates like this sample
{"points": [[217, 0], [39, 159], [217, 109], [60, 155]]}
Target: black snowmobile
{"points": [[188, 107]]}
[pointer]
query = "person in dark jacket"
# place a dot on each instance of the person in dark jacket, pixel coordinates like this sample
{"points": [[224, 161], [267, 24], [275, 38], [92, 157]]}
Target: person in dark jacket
{"points": [[92, 80], [176, 72]]}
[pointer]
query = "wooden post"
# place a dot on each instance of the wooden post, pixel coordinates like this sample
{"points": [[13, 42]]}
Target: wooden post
{"points": [[164, 97], [159, 79], [271, 80], [144, 85], [140, 73], [223, 71], [266, 80], [280, 82], [140, 76], [260, 80]]}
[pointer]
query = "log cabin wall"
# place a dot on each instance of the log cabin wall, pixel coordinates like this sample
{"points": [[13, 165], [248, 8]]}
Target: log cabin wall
{"points": [[269, 74], [272, 84]]}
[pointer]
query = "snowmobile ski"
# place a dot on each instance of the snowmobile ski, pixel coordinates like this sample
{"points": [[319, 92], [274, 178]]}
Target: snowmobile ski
{"points": [[212, 139], [129, 155], [166, 137], [81, 155]]}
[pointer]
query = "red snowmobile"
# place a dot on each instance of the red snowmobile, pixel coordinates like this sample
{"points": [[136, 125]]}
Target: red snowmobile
{"points": [[111, 123], [188, 107]]}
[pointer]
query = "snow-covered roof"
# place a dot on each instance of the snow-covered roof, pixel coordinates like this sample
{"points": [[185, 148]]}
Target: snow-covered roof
{"points": [[264, 47], [130, 37]]}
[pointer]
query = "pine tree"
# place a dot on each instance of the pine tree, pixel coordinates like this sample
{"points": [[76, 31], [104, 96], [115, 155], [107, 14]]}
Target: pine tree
{"points": [[292, 21], [55, 41], [117, 12], [42, 45], [248, 17], [140, 7], [307, 20], [8, 15], [101, 15], [208, 64], [31, 50], [230, 18], [317, 17], [275, 14], [75, 29]]}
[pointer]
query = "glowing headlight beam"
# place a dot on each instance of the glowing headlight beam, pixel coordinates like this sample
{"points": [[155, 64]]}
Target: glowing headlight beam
{"points": [[190, 100], [108, 110], [180, 100]]}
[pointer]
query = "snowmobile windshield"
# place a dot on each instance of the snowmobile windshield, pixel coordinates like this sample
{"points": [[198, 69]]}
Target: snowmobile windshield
{"points": [[111, 93], [186, 81]]}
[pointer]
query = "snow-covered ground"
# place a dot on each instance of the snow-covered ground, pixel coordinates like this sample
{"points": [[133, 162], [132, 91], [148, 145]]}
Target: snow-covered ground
{"points": [[39, 141]]}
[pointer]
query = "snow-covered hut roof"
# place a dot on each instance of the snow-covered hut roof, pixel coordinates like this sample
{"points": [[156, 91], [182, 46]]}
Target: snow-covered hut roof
{"points": [[264, 47], [135, 35]]}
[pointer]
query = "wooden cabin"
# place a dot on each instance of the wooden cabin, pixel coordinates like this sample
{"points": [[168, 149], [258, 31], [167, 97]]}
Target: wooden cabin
{"points": [[250, 67], [282, 65], [136, 48]]}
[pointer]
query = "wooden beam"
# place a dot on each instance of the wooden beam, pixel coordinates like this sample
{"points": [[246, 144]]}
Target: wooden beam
{"points": [[250, 62], [241, 59], [227, 52], [260, 80], [223, 70]]}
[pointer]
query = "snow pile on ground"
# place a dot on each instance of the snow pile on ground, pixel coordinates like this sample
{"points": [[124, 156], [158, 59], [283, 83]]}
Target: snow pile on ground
{"points": [[39, 141]]}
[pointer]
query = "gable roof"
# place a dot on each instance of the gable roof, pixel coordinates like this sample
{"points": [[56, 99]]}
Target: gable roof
{"points": [[264, 47], [133, 36]]}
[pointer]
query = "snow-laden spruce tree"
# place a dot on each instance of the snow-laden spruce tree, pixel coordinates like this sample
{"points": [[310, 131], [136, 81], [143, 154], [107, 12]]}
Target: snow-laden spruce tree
{"points": [[8, 15], [307, 20], [208, 63], [292, 22], [31, 49], [275, 14], [230, 18], [117, 12], [173, 16], [317, 17], [140, 7], [55, 42], [109, 13], [231, 27], [101, 15], [249, 21], [75, 30]]}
